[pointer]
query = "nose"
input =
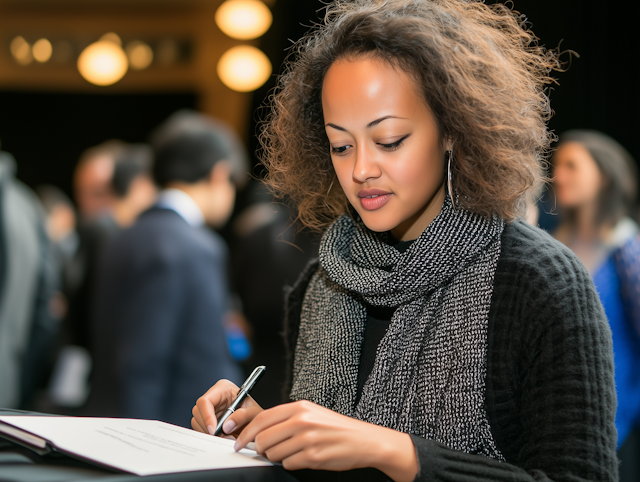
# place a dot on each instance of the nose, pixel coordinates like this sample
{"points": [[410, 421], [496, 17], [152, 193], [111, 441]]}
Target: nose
{"points": [[366, 166]]}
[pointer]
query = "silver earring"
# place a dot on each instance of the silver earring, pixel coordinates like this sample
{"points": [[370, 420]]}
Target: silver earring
{"points": [[449, 177]]}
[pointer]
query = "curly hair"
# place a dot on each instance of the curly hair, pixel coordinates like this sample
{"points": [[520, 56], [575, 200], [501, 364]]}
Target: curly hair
{"points": [[480, 71]]}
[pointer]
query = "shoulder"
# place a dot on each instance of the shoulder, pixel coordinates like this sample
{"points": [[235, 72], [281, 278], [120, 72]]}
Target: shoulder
{"points": [[294, 295], [162, 236], [21, 202], [164, 221], [541, 287], [629, 252], [627, 265], [294, 299], [532, 262], [530, 248]]}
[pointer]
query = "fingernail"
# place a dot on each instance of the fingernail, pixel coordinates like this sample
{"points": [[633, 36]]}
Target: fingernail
{"points": [[236, 446], [211, 429], [229, 426]]}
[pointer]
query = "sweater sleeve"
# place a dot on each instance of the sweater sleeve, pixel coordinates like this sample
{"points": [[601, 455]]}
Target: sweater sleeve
{"points": [[550, 391]]}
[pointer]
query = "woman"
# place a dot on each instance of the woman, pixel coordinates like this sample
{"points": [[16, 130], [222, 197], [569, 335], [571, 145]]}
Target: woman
{"points": [[595, 187], [438, 338]]}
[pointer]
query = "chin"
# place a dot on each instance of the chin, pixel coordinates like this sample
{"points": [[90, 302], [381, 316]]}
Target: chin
{"points": [[378, 222], [565, 200], [566, 203]]}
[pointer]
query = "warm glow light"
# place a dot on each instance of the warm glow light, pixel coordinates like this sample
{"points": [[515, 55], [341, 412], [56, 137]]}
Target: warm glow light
{"points": [[167, 52], [244, 19], [21, 50], [244, 68], [112, 37], [103, 63], [63, 51], [42, 50], [140, 55]]}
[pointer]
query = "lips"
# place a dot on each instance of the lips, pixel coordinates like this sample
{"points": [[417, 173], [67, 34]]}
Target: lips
{"points": [[372, 199]]}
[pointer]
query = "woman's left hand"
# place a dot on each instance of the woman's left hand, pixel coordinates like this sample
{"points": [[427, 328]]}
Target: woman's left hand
{"points": [[303, 435]]}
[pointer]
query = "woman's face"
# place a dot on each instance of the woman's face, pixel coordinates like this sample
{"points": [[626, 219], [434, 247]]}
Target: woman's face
{"points": [[577, 178], [385, 146]]}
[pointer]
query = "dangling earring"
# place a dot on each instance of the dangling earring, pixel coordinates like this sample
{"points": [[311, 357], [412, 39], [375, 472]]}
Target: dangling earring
{"points": [[449, 177]]}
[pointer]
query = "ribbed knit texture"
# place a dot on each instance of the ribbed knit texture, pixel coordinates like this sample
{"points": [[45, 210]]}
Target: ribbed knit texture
{"points": [[550, 396]]}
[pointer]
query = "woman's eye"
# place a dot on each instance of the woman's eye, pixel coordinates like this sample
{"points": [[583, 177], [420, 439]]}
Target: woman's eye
{"points": [[339, 150], [394, 145]]}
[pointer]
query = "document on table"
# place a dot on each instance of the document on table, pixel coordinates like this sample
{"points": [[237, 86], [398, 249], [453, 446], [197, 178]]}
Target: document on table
{"points": [[141, 447]]}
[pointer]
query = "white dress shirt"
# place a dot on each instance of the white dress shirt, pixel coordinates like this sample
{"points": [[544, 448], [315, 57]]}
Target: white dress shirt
{"points": [[180, 202]]}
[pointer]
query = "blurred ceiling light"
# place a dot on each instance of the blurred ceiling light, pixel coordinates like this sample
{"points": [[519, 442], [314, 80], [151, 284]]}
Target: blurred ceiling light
{"points": [[244, 19], [21, 50], [244, 68], [112, 37], [167, 51], [103, 63], [63, 51], [42, 50], [140, 55]]}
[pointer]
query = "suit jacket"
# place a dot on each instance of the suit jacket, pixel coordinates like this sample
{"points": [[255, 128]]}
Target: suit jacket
{"points": [[158, 334]]}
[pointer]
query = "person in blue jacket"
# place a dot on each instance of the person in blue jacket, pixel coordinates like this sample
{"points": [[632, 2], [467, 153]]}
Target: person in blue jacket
{"points": [[596, 185]]}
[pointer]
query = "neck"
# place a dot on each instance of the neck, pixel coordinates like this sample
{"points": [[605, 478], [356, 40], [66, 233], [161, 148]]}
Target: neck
{"points": [[197, 192], [585, 222], [124, 214]]}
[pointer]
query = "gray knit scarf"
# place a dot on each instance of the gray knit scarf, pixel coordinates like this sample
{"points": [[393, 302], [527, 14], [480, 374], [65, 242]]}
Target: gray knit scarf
{"points": [[429, 374]]}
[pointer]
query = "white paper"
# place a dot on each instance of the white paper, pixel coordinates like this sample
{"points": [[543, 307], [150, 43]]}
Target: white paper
{"points": [[142, 447]]}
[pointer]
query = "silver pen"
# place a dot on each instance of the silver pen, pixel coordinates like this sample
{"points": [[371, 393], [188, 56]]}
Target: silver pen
{"points": [[246, 387]]}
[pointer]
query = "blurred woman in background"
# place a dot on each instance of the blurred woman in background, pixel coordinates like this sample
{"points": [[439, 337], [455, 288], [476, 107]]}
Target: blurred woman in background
{"points": [[596, 187]]}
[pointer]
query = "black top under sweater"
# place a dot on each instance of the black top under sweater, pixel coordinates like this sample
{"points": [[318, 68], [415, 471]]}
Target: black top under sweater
{"points": [[550, 395]]}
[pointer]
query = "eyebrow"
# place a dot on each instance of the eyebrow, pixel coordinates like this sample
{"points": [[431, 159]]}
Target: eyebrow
{"points": [[369, 125]]}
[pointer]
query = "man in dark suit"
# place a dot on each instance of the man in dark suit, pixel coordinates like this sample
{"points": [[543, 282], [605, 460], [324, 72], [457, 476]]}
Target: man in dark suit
{"points": [[162, 291]]}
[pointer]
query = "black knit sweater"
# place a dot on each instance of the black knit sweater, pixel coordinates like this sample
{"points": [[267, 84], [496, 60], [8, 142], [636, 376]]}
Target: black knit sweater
{"points": [[550, 396]]}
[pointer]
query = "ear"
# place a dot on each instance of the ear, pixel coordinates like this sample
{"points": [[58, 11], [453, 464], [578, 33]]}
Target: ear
{"points": [[220, 172], [448, 144]]}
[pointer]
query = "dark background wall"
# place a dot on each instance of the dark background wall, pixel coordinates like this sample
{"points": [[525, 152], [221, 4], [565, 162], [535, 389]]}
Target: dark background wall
{"points": [[47, 131], [599, 90]]}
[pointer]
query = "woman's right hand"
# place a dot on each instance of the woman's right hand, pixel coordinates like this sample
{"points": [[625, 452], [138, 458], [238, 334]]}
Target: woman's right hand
{"points": [[215, 402]]}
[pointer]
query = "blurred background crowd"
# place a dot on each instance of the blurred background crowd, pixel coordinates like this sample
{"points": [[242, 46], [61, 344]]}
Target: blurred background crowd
{"points": [[141, 259]]}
